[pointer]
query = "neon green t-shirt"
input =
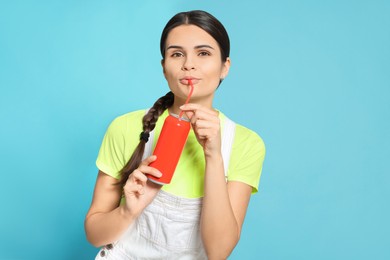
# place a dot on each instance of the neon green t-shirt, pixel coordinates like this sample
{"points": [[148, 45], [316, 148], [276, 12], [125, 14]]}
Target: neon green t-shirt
{"points": [[122, 137]]}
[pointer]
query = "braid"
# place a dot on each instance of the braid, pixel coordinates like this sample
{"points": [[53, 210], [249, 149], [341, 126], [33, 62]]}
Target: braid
{"points": [[149, 122], [150, 119]]}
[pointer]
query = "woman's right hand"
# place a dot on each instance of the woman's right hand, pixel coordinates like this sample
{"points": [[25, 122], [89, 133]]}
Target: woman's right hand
{"points": [[138, 191]]}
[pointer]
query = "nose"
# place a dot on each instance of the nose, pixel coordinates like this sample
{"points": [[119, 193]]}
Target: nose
{"points": [[188, 64]]}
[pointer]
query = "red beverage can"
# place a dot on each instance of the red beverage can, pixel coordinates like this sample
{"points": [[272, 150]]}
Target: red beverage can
{"points": [[169, 147]]}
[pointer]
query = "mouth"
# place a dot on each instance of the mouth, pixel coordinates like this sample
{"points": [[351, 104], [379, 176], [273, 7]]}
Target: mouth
{"points": [[186, 80]]}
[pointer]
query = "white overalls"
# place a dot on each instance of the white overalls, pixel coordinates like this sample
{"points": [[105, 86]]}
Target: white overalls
{"points": [[169, 227]]}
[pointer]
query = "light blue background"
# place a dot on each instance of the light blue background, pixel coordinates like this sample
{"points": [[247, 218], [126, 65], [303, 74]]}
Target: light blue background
{"points": [[311, 77]]}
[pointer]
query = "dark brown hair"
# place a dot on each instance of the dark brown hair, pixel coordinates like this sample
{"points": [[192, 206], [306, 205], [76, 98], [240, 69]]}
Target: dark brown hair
{"points": [[205, 21], [212, 26]]}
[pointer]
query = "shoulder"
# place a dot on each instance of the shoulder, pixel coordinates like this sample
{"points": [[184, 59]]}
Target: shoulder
{"points": [[246, 136], [125, 125], [248, 146], [120, 140], [129, 117], [127, 120], [247, 156]]}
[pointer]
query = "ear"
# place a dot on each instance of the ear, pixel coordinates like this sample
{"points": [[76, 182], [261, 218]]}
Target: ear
{"points": [[163, 67], [225, 68]]}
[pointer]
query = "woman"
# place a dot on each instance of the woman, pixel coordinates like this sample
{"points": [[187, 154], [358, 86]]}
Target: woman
{"points": [[198, 215]]}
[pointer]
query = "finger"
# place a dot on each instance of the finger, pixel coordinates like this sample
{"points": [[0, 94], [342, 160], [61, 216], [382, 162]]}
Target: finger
{"points": [[195, 111], [190, 106], [149, 160], [208, 134], [205, 124], [204, 115], [189, 114], [141, 189], [196, 107], [133, 188], [138, 177], [145, 169]]}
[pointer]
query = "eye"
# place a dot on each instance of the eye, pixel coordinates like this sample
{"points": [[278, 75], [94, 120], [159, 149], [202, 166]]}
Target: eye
{"points": [[204, 53], [177, 54]]}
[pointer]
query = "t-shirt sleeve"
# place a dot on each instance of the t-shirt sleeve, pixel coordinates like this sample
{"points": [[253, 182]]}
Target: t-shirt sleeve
{"points": [[247, 158], [112, 158]]}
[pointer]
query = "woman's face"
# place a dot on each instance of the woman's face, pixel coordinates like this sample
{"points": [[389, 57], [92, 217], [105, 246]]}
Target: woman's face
{"points": [[191, 53]]}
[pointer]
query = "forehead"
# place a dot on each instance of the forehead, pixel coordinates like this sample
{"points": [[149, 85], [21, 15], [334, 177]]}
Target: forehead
{"points": [[190, 35]]}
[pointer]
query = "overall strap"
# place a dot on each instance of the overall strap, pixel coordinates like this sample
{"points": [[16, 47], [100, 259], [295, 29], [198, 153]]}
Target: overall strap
{"points": [[227, 143]]}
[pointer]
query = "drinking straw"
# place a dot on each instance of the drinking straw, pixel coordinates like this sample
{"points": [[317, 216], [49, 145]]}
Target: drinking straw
{"points": [[188, 97]]}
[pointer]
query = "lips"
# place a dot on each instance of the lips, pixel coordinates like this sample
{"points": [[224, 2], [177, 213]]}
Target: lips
{"points": [[186, 80]]}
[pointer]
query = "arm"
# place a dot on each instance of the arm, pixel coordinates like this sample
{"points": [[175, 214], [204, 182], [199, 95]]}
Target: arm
{"points": [[224, 205], [223, 212], [107, 219]]}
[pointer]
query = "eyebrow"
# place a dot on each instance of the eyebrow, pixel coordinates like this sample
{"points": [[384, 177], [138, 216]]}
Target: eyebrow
{"points": [[196, 47]]}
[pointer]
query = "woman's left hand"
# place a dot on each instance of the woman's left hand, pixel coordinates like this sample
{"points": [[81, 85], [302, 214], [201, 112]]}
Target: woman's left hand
{"points": [[206, 125]]}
